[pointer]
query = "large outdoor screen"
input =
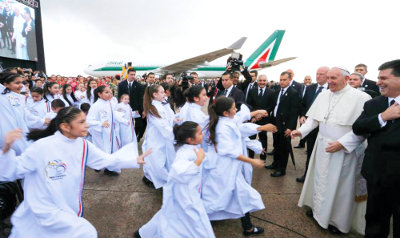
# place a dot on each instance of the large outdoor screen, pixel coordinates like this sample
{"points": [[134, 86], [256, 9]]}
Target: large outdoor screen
{"points": [[17, 31]]}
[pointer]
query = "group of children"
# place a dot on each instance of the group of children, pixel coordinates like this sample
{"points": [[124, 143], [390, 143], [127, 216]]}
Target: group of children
{"points": [[199, 160]]}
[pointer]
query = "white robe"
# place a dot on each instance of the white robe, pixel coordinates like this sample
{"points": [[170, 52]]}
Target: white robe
{"points": [[51, 98], [330, 185], [81, 97], [74, 104], [127, 132], [182, 213], [160, 137], [53, 169], [14, 115], [104, 138], [225, 193], [39, 110]]}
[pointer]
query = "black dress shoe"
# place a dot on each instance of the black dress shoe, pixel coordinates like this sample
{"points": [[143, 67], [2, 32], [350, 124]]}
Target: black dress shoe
{"points": [[278, 174], [272, 152], [271, 166], [97, 170], [301, 179], [148, 182], [299, 146], [110, 173], [309, 213], [136, 234], [334, 230], [256, 230]]}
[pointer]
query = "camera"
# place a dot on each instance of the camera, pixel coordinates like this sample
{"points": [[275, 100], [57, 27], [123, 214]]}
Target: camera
{"points": [[185, 80], [235, 61]]}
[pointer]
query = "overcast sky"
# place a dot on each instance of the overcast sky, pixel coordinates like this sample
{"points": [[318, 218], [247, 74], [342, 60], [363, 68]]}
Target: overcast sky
{"points": [[332, 33]]}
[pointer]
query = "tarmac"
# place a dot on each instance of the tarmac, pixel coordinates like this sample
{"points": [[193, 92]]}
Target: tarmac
{"points": [[117, 206]]}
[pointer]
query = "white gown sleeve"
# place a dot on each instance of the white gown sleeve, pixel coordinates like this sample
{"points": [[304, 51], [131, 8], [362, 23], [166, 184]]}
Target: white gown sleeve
{"points": [[248, 129], [254, 145], [163, 126], [124, 158], [14, 167], [225, 147], [92, 120], [183, 170], [32, 121], [307, 127], [243, 114], [350, 141]]}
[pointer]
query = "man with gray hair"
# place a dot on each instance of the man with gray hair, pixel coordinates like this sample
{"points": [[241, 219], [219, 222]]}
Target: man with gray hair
{"points": [[330, 185], [355, 80], [366, 83]]}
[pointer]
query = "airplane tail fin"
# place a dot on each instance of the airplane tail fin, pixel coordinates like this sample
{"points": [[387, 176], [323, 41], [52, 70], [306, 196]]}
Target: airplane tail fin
{"points": [[264, 55]]}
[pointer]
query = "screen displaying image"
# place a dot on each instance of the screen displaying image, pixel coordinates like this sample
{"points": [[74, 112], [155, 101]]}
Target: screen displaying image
{"points": [[17, 31]]}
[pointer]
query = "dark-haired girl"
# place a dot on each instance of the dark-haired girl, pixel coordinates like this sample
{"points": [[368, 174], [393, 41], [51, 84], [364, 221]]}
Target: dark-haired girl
{"points": [[13, 111], [53, 169], [103, 121], [182, 213], [51, 91], [159, 136], [39, 108], [68, 96], [225, 193], [90, 94]]}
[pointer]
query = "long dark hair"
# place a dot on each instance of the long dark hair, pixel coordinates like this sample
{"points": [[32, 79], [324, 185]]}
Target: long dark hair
{"points": [[185, 131], [65, 115], [46, 89], [221, 105], [88, 89], [193, 92], [98, 90], [8, 78], [148, 96], [64, 94]]}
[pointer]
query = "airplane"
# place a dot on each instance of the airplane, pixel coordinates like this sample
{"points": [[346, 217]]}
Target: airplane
{"points": [[262, 57]]}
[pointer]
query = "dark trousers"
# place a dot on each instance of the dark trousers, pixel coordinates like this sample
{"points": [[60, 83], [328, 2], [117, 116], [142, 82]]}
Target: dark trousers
{"points": [[282, 146], [263, 138], [246, 222], [140, 127], [382, 204], [303, 142], [310, 139]]}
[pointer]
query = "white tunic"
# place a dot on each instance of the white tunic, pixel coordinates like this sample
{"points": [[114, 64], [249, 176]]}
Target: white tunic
{"points": [[330, 185], [53, 170], [39, 110], [127, 132], [182, 213], [225, 193], [51, 98], [159, 137]]}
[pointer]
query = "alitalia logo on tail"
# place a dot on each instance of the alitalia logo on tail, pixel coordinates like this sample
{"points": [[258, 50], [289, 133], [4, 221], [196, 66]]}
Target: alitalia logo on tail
{"points": [[266, 52]]}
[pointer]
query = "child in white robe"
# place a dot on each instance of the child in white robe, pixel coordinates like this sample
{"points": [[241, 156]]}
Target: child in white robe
{"points": [[225, 193], [53, 169], [68, 96], [90, 94], [80, 93], [102, 119], [13, 112], [159, 136], [56, 106], [38, 107], [182, 213], [51, 91], [127, 132]]}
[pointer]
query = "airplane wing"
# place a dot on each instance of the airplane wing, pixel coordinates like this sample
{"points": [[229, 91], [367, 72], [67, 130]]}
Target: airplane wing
{"points": [[275, 62], [200, 60]]}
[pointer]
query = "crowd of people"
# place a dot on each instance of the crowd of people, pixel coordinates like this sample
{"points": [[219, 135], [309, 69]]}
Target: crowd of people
{"points": [[203, 162]]}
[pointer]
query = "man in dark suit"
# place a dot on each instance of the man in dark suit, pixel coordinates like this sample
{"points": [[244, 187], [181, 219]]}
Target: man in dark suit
{"points": [[229, 90], [261, 98], [286, 111], [380, 123], [28, 31], [366, 83], [135, 91], [310, 95], [355, 81], [297, 86], [235, 80], [252, 84]]}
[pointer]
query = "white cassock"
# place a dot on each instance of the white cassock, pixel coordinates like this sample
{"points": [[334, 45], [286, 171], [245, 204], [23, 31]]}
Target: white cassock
{"points": [[53, 169], [71, 100], [39, 110], [182, 213], [14, 115], [160, 138], [127, 132], [104, 138], [81, 97], [226, 193], [51, 98], [330, 185]]}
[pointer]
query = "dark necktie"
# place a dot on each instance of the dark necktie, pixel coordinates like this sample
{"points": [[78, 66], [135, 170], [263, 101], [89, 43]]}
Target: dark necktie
{"points": [[280, 97], [260, 93], [316, 93], [130, 87], [225, 92], [391, 103]]}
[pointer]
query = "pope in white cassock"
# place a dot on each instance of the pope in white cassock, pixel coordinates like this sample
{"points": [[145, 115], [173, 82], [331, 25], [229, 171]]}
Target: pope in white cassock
{"points": [[333, 182]]}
